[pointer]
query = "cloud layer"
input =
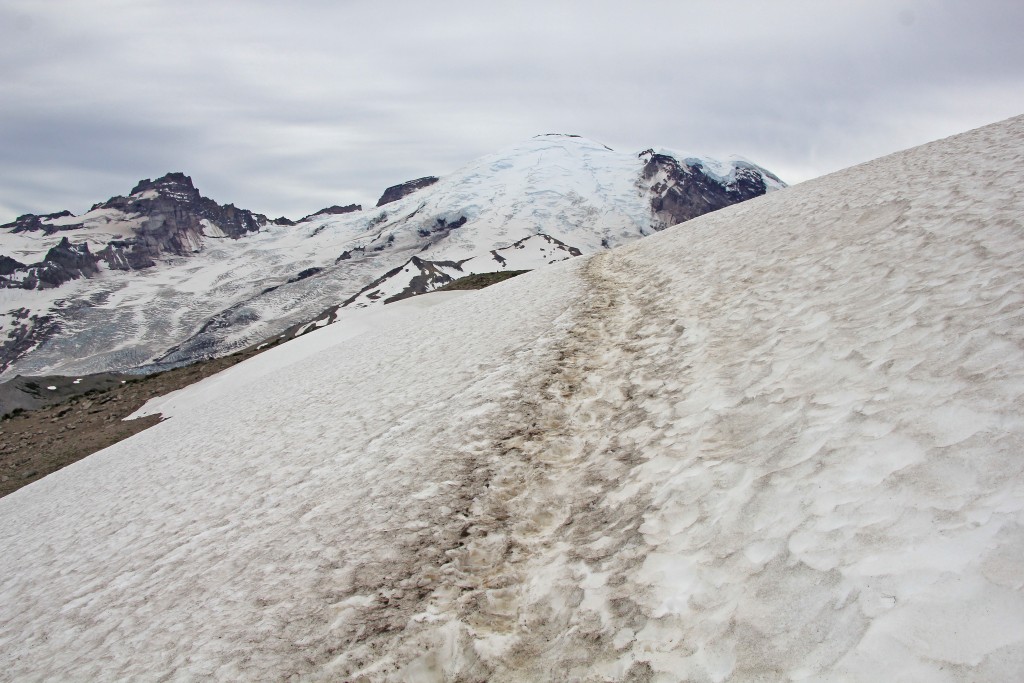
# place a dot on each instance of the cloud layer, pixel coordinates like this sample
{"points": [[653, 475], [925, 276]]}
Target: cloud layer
{"points": [[285, 109]]}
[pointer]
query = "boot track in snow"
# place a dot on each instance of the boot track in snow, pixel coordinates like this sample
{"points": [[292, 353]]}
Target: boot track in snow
{"points": [[541, 567]]}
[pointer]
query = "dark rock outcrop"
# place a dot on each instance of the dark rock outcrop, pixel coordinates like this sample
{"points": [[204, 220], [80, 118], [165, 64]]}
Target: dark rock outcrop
{"points": [[347, 254], [65, 262], [28, 331], [428, 277], [440, 228], [685, 190], [173, 208], [303, 274], [61, 264], [9, 266], [30, 222], [333, 210], [396, 192]]}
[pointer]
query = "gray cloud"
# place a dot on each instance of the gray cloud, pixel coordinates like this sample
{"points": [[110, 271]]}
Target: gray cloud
{"points": [[285, 109]]}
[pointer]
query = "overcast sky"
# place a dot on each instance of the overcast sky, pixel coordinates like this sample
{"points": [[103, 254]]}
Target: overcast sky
{"points": [[285, 108]]}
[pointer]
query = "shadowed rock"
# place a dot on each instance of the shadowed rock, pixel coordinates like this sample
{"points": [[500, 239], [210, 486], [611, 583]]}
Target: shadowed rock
{"points": [[684, 189], [396, 192], [333, 211]]}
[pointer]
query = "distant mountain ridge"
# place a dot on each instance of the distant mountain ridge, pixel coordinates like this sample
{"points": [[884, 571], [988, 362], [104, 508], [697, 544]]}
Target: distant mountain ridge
{"points": [[166, 216], [166, 275]]}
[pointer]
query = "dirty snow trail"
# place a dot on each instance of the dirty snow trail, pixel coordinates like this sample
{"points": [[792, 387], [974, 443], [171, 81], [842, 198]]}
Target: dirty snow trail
{"points": [[543, 571]]}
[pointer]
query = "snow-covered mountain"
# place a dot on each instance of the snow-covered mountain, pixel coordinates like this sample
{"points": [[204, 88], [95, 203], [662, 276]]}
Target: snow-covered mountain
{"points": [[166, 275], [782, 442]]}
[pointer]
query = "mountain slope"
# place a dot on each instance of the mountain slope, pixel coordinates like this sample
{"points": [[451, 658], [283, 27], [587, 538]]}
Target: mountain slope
{"points": [[167, 276], [782, 442]]}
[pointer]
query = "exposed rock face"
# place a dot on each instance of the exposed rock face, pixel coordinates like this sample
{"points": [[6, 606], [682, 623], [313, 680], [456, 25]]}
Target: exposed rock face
{"points": [[167, 216], [333, 210], [396, 192], [178, 204], [174, 213], [682, 190], [8, 265], [62, 263], [33, 222], [428, 275], [28, 331], [419, 275]]}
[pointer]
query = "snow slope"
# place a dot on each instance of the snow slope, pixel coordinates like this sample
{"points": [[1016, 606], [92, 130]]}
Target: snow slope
{"points": [[783, 443], [350, 323]]}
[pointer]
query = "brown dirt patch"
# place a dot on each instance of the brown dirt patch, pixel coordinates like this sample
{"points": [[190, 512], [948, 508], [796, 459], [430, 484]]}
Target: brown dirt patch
{"points": [[480, 280], [38, 442]]}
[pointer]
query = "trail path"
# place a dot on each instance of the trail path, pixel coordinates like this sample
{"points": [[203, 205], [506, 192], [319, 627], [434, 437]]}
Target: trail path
{"points": [[541, 585]]}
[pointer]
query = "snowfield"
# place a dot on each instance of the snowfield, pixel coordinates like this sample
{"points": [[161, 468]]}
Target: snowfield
{"points": [[350, 323], [783, 441]]}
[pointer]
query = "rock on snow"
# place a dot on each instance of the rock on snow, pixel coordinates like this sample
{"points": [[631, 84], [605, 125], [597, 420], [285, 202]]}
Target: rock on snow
{"points": [[780, 442]]}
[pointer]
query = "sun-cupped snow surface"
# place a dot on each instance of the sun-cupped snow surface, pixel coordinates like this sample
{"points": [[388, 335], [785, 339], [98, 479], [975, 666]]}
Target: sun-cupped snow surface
{"points": [[780, 442]]}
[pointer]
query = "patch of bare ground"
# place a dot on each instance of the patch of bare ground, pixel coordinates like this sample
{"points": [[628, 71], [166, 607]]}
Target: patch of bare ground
{"points": [[35, 443], [481, 280]]}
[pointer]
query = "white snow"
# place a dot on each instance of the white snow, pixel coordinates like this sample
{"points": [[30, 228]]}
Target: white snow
{"points": [[781, 442], [350, 323], [211, 230]]}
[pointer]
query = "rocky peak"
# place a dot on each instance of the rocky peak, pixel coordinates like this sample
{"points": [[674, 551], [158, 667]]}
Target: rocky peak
{"points": [[176, 185], [168, 216], [396, 192], [176, 218], [63, 262]]}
